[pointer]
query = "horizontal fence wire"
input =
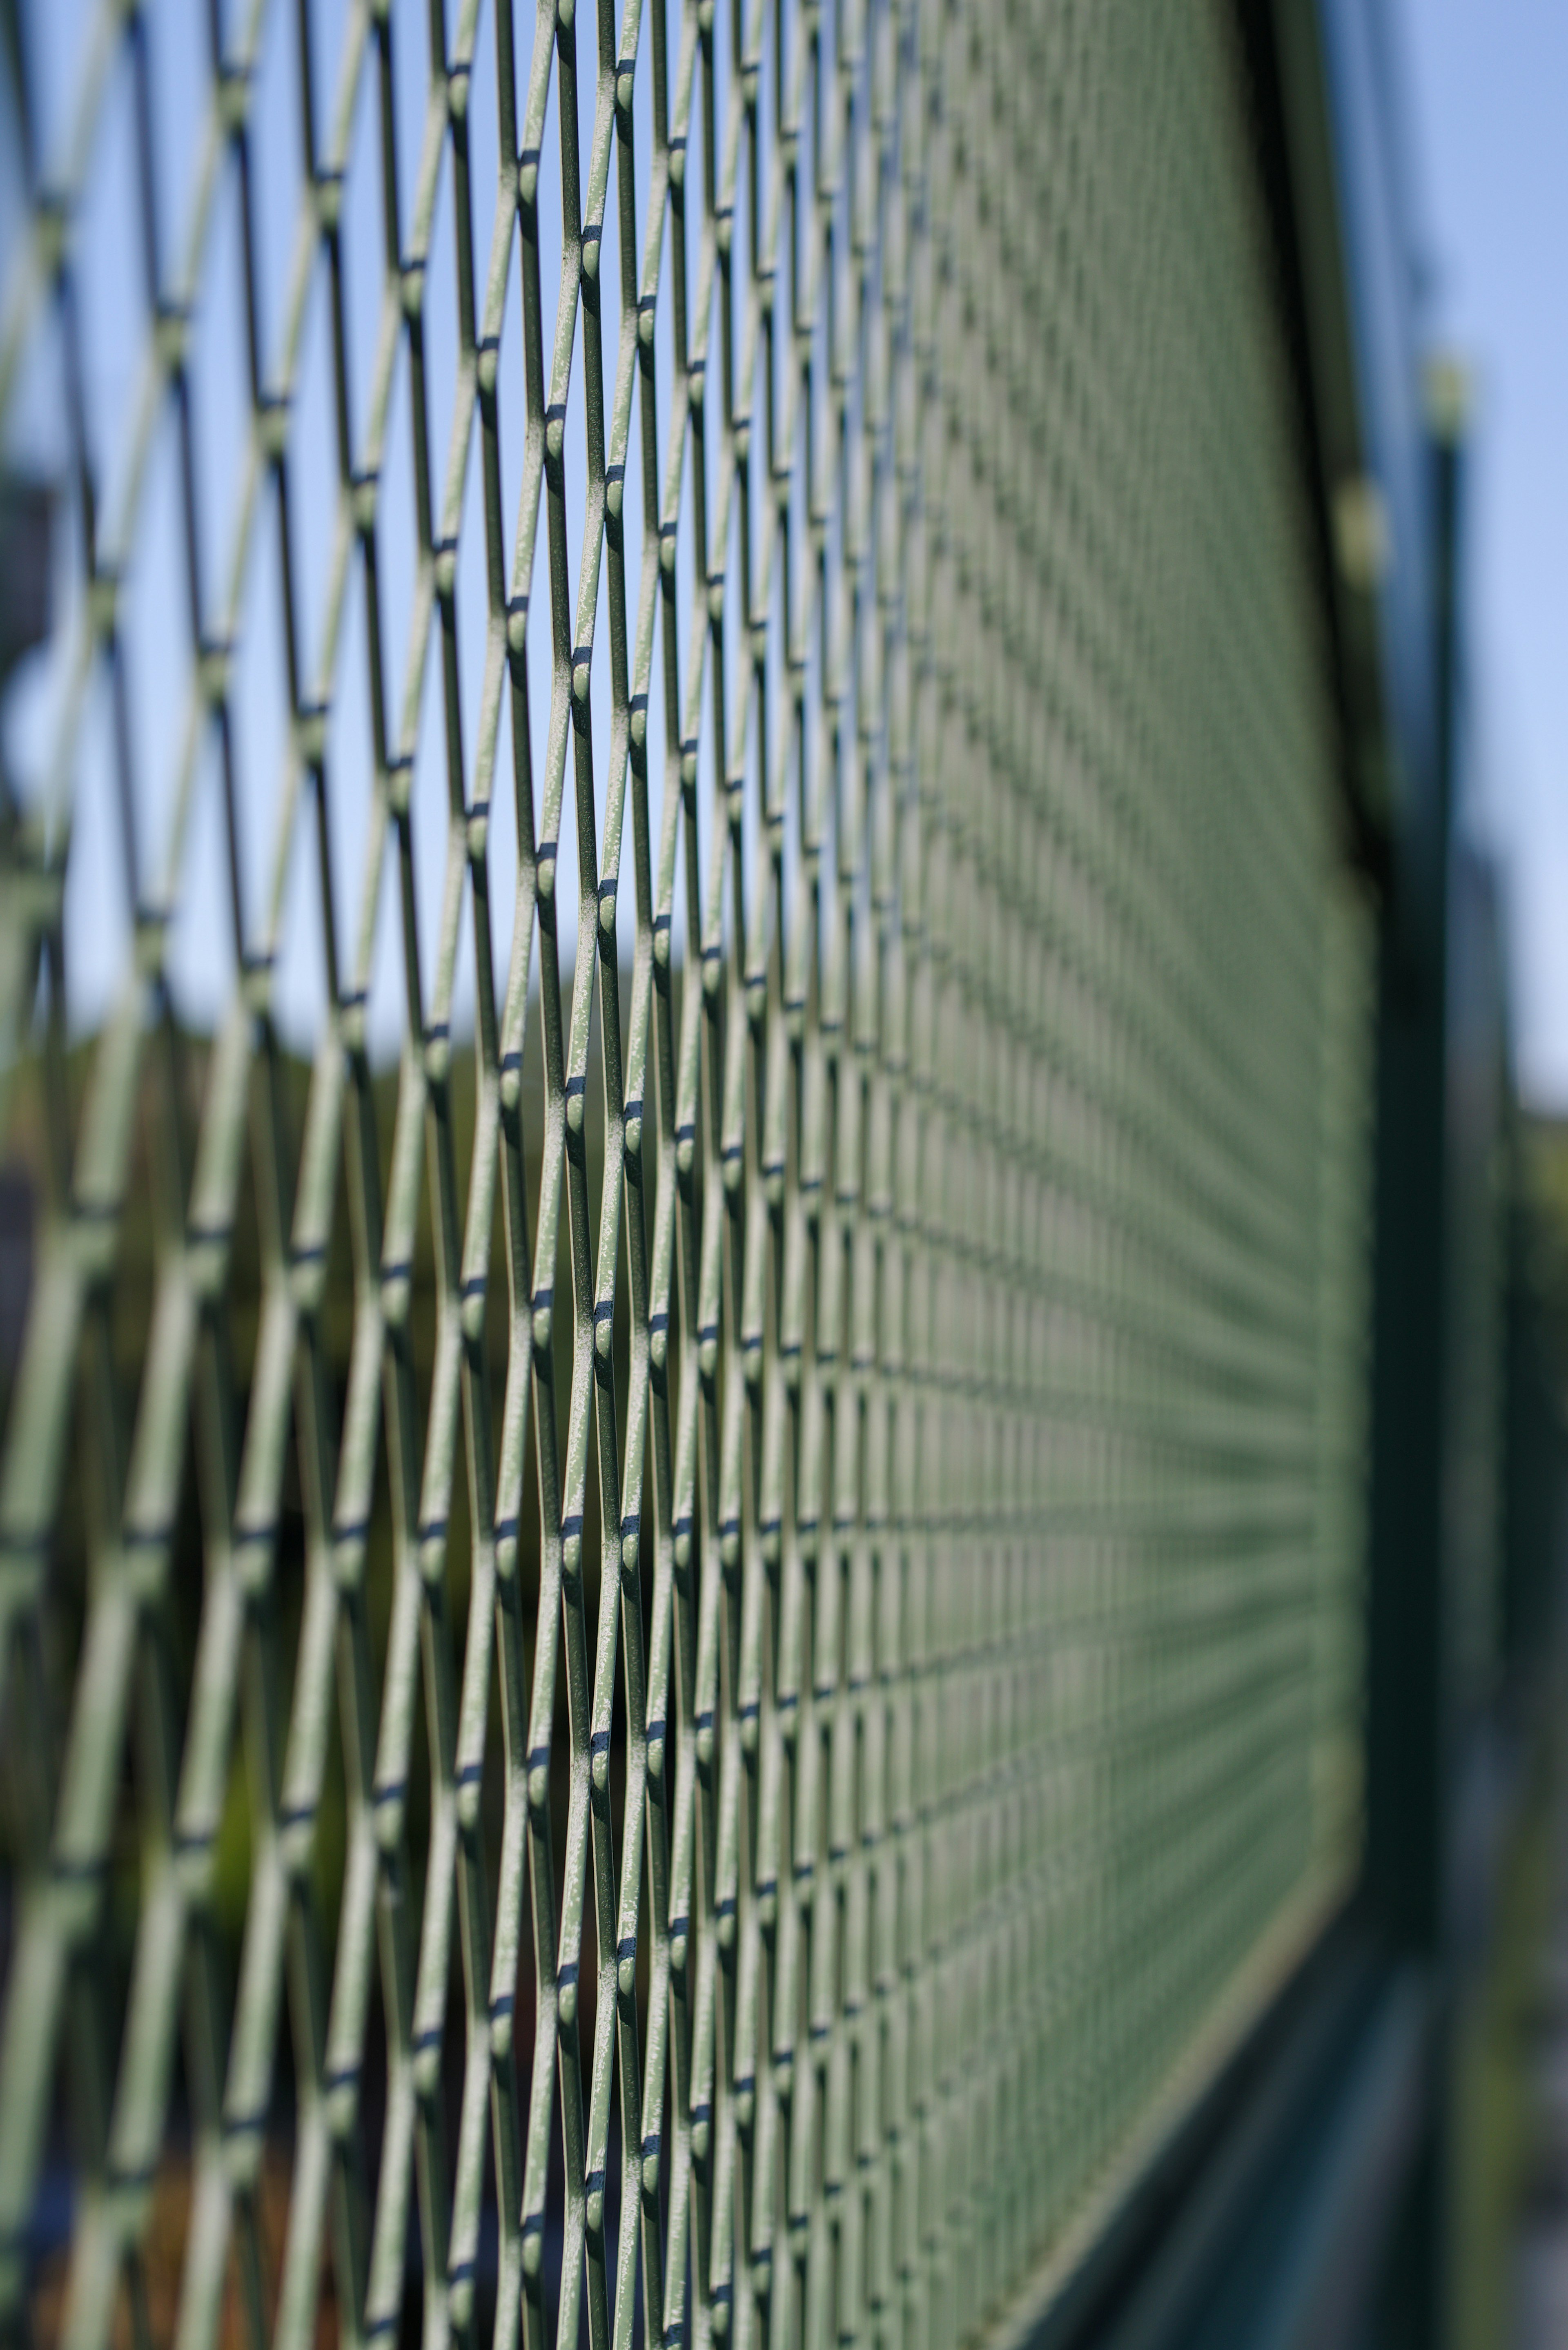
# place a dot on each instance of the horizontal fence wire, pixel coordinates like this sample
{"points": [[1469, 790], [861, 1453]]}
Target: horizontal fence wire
{"points": [[686, 1057]]}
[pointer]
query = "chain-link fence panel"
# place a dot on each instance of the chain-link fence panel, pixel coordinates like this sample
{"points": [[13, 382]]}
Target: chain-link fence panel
{"points": [[685, 1057]]}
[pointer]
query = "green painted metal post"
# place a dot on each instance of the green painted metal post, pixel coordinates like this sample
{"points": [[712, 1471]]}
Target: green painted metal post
{"points": [[1407, 1759]]}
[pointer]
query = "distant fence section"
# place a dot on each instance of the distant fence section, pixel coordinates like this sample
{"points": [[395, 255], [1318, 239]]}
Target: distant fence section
{"points": [[690, 995]]}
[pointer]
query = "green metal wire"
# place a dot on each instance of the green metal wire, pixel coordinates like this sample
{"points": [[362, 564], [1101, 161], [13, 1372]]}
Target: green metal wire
{"points": [[915, 1562]]}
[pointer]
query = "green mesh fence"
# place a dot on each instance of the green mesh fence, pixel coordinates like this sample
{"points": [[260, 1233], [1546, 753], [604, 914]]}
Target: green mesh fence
{"points": [[686, 1084]]}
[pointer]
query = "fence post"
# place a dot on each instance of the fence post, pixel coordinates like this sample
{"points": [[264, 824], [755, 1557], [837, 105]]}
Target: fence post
{"points": [[1407, 1759]]}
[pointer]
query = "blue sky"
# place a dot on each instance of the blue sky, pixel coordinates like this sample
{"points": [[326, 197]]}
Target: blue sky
{"points": [[1486, 82]]}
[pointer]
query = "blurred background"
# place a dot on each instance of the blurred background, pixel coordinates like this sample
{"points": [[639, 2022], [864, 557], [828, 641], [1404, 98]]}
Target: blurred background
{"points": [[1476, 118]]}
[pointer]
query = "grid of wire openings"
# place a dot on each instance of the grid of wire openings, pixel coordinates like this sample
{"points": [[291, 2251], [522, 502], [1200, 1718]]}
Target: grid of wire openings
{"points": [[680, 1511]]}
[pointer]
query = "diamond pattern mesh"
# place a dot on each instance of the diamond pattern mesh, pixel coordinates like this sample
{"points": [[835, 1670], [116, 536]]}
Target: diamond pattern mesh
{"points": [[680, 1516]]}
